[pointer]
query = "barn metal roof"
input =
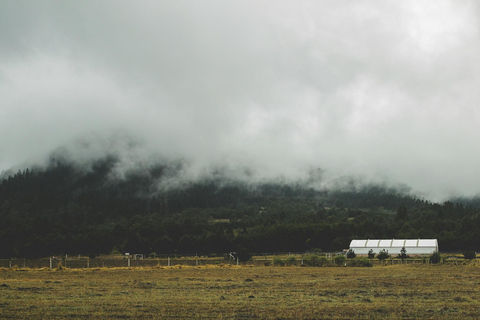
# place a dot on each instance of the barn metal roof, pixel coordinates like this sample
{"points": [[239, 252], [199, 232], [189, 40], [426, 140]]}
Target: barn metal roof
{"points": [[393, 243]]}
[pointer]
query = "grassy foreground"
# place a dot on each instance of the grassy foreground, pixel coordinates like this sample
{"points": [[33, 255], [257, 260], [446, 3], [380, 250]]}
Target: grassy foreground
{"points": [[231, 292]]}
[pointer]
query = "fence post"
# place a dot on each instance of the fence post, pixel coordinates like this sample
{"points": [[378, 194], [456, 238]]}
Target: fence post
{"points": [[129, 261], [51, 263], [168, 261], [88, 262], [10, 263]]}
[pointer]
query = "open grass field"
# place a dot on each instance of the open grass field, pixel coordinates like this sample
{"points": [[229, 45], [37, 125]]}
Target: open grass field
{"points": [[243, 292]]}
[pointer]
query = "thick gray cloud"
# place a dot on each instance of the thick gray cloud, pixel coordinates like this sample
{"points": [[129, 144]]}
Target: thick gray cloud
{"points": [[382, 90]]}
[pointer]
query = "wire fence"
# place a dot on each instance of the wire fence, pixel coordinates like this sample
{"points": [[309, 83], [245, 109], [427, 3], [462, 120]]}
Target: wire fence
{"points": [[263, 260]]}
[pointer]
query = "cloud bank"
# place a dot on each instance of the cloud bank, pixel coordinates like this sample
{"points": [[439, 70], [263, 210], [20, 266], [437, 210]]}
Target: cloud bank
{"points": [[383, 90]]}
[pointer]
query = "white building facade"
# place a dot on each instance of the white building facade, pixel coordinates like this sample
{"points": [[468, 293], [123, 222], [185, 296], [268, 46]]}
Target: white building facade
{"points": [[393, 246]]}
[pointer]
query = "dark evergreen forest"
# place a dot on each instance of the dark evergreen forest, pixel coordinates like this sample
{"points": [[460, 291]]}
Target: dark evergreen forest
{"points": [[66, 209]]}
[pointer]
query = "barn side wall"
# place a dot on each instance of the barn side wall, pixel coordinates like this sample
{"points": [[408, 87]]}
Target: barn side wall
{"points": [[395, 250]]}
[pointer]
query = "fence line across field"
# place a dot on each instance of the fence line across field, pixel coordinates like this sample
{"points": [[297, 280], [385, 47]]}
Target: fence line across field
{"points": [[105, 262]]}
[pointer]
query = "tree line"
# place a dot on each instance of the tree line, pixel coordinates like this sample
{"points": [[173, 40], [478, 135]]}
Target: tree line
{"points": [[67, 209]]}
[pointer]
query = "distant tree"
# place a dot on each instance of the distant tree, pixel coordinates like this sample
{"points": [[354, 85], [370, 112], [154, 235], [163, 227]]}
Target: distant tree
{"points": [[403, 254], [382, 255], [470, 255], [243, 254], [402, 213], [371, 254], [351, 254], [339, 260], [435, 257]]}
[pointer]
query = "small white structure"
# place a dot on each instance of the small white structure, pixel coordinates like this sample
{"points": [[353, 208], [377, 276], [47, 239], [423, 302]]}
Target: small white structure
{"points": [[393, 246]]}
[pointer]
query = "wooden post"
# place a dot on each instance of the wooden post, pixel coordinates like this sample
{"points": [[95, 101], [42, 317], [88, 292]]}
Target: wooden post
{"points": [[10, 263], [129, 261], [88, 262], [51, 263], [168, 261]]}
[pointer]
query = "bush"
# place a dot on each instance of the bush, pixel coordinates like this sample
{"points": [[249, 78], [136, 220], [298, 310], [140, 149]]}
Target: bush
{"points": [[313, 260], [383, 255], [339, 260], [470, 255], [359, 262], [351, 254], [435, 257], [371, 254], [403, 254], [323, 261], [291, 261], [278, 262], [243, 254]]}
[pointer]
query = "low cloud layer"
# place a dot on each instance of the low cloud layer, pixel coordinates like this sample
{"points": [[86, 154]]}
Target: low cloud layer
{"points": [[381, 90]]}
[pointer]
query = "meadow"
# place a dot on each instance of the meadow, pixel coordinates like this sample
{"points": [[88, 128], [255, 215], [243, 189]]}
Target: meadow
{"points": [[243, 292]]}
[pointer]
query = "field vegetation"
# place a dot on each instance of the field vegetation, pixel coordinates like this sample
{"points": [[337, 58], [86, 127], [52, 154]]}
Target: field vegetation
{"points": [[417, 291]]}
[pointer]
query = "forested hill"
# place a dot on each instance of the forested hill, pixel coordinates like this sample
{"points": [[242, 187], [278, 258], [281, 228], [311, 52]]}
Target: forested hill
{"points": [[65, 208]]}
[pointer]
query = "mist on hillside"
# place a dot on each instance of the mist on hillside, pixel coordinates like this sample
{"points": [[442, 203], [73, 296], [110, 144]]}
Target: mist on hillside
{"points": [[335, 95]]}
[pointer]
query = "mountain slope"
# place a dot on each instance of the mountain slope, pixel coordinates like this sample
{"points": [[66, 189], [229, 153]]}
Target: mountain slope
{"points": [[91, 209]]}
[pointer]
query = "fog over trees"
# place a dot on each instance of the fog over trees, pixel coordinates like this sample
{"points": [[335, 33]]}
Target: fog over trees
{"points": [[69, 209], [209, 126]]}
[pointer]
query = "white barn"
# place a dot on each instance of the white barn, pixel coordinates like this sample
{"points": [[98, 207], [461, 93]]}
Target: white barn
{"points": [[393, 246]]}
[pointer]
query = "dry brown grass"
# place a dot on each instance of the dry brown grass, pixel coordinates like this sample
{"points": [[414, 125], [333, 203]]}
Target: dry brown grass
{"points": [[230, 292]]}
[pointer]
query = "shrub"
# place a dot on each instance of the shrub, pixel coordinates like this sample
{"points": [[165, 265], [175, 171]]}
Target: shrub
{"points": [[382, 255], [359, 262], [435, 257], [403, 254], [470, 255], [291, 261], [371, 254], [339, 260], [243, 254], [313, 260], [351, 254], [323, 261], [278, 262]]}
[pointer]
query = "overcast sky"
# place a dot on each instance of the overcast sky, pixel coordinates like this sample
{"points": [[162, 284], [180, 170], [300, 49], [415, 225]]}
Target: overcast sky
{"points": [[378, 90]]}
